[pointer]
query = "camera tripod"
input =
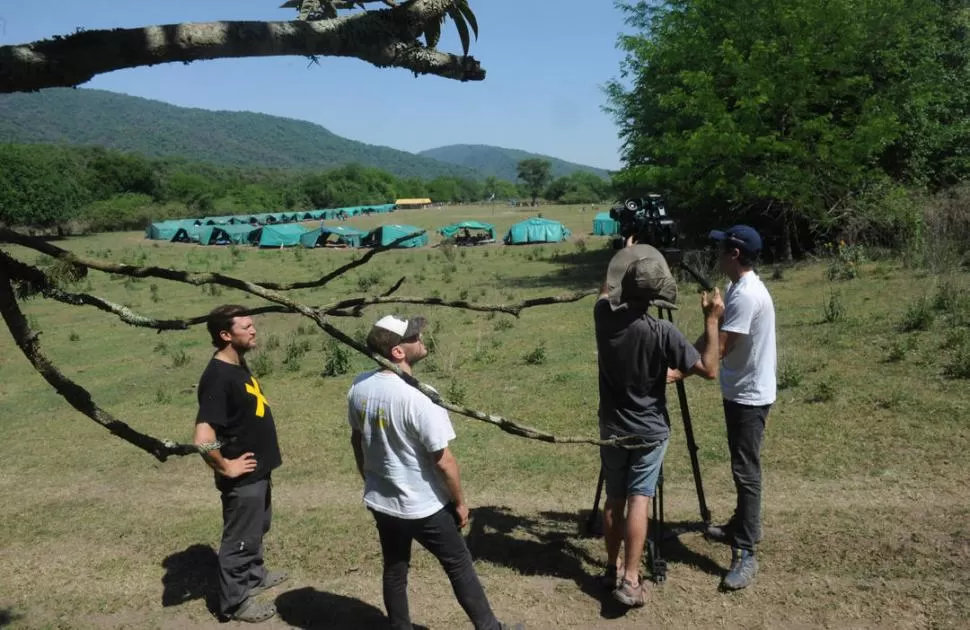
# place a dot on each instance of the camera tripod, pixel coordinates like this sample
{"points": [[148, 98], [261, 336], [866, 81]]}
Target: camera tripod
{"points": [[658, 566]]}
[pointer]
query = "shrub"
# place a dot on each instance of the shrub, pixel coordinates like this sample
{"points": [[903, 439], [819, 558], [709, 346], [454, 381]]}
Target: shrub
{"points": [[73, 336], [789, 375], [338, 360], [179, 358], [845, 261], [919, 316], [537, 356], [261, 364], [457, 391], [834, 310]]}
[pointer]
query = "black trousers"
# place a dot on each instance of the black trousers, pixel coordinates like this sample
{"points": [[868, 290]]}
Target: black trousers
{"points": [[745, 433], [246, 516], [440, 535]]}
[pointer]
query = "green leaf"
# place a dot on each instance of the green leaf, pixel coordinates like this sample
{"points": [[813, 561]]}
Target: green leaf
{"points": [[459, 19], [469, 16]]}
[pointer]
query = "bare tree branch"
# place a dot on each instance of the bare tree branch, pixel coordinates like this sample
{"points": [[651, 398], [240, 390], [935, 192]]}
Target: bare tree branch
{"points": [[317, 315], [77, 396], [384, 38]]}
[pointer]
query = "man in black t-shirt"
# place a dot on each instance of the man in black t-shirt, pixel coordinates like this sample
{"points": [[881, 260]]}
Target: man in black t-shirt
{"points": [[234, 411], [634, 351]]}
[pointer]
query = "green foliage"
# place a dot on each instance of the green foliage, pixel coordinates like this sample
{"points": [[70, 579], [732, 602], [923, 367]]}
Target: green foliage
{"points": [[338, 359], [845, 262], [789, 375], [834, 309], [457, 391], [536, 356], [261, 364], [807, 115], [919, 316], [579, 187], [535, 174], [500, 166]]}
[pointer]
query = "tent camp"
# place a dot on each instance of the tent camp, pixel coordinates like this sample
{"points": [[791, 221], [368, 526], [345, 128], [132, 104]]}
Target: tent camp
{"points": [[536, 230], [332, 236], [469, 232], [604, 225], [239, 234], [285, 235], [387, 234], [165, 230]]}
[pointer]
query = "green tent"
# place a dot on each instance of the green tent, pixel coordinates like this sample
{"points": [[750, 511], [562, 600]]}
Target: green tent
{"points": [[537, 230], [457, 231], [387, 234], [239, 234], [604, 225], [223, 220], [333, 236], [187, 234], [165, 230], [283, 235]]}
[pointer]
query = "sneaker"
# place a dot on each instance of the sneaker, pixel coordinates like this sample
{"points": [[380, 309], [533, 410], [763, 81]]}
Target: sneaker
{"points": [[253, 612], [629, 595], [273, 578], [744, 566]]}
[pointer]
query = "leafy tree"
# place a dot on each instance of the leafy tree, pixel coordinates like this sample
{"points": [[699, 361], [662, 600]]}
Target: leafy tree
{"points": [[535, 173], [781, 113]]}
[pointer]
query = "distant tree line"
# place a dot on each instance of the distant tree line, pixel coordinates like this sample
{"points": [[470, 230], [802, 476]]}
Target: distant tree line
{"points": [[101, 189]]}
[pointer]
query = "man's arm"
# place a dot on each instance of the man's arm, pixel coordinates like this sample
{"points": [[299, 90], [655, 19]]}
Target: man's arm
{"points": [[356, 440], [232, 468], [447, 467], [708, 345]]}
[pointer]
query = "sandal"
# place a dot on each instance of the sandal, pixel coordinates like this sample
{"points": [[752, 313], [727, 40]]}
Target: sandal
{"points": [[272, 578], [629, 595], [252, 612]]}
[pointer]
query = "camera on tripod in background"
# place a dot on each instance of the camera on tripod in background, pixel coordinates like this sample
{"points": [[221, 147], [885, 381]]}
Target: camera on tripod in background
{"points": [[646, 220]]}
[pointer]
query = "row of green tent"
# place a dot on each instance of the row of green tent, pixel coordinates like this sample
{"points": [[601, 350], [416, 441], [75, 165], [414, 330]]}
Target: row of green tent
{"points": [[535, 230], [166, 230], [605, 225]]}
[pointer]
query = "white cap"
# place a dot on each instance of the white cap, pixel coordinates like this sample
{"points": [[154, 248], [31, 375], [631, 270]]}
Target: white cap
{"points": [[394, 324]]}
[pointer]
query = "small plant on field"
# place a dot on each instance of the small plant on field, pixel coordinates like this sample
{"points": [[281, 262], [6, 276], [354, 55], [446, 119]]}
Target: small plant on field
{"points": [[160, 348], [959, 365], [448, 248], [919, 316], [457, 391], [845, 261], [298, 254], [898, 348], [153, 293], [73, 336], [485, 254], [581, 245], [463, 294], [823, 392], [778, 273], [536, 356], [338, 360], [948, 298], [364, 283], [834, 309], [162, 396], [236, 254], [306, 329], [463, 253], [261, 364], [179, 358], [294, 351], [272, 342], [446, 277], [789, 375], [505, 323], [211, 289]]}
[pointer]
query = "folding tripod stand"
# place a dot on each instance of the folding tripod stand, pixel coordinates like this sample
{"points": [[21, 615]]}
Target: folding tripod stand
{"points": [[658, 566]]}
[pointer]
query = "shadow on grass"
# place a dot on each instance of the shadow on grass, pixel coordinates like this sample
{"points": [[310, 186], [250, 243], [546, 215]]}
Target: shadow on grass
{"points": [[548, 550], [7, 617], [309, 608], [191, 574]]}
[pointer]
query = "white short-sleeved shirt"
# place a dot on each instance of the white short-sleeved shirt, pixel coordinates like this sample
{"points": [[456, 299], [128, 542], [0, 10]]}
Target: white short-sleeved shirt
{"points": [[401, 428], [748, 372]]}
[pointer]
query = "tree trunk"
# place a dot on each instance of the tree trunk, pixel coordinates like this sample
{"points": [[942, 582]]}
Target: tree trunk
{"points": [[385, 38]]}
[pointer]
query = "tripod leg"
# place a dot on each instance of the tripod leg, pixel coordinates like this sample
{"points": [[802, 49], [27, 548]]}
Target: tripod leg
{"points": [[692, 447], [658, 566], [591, 522]]}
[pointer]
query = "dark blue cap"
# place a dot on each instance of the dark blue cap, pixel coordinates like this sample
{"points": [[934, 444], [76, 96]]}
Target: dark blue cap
{"points": [[741, 236]]}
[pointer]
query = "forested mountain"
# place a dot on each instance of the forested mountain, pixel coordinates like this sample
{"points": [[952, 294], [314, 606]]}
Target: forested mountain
{"points": [[500, 162], [156, 129]]}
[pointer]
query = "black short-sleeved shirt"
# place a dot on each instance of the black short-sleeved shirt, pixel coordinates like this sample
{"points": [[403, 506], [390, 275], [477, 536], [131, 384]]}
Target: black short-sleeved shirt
{"points": [[634, 350], [232, 401]]}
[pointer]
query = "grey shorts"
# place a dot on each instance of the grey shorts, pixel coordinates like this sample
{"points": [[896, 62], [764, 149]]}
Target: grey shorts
{"points": [[632, 472]]}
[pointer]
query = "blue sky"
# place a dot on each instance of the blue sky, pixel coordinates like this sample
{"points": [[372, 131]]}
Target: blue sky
{"points": [[546, 60]]}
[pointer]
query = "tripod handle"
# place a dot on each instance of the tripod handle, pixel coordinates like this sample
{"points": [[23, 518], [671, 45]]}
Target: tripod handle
{"points": [[701, 280]]}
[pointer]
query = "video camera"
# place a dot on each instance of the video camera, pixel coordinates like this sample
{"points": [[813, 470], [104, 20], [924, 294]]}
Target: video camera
{"points": [[646, 220]]}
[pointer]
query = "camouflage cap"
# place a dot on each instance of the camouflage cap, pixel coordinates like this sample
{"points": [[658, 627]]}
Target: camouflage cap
{"points": [[640, 274]]}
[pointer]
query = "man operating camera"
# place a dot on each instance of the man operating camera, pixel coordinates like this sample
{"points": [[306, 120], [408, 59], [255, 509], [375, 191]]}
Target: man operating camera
{"points": [[634, 352]]}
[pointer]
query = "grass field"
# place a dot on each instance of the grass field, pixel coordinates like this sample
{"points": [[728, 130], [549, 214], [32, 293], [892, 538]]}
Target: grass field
{"points": [[867, 493]]}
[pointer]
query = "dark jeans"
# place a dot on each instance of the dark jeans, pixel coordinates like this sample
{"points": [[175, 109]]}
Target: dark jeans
{"points": [[246, 515], [440, 535], [745, 433]]}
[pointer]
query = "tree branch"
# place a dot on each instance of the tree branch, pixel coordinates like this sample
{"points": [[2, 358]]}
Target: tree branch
{"points": [[317, 315], [74, 394], [384, 38]]}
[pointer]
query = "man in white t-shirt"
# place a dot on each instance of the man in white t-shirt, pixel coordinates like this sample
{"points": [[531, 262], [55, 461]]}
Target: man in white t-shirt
{"points": [[748, 387], [411, 480]]}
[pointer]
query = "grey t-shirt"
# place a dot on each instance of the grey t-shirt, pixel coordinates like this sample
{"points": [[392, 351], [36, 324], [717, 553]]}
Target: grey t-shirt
{"points": [[634, 351]]}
